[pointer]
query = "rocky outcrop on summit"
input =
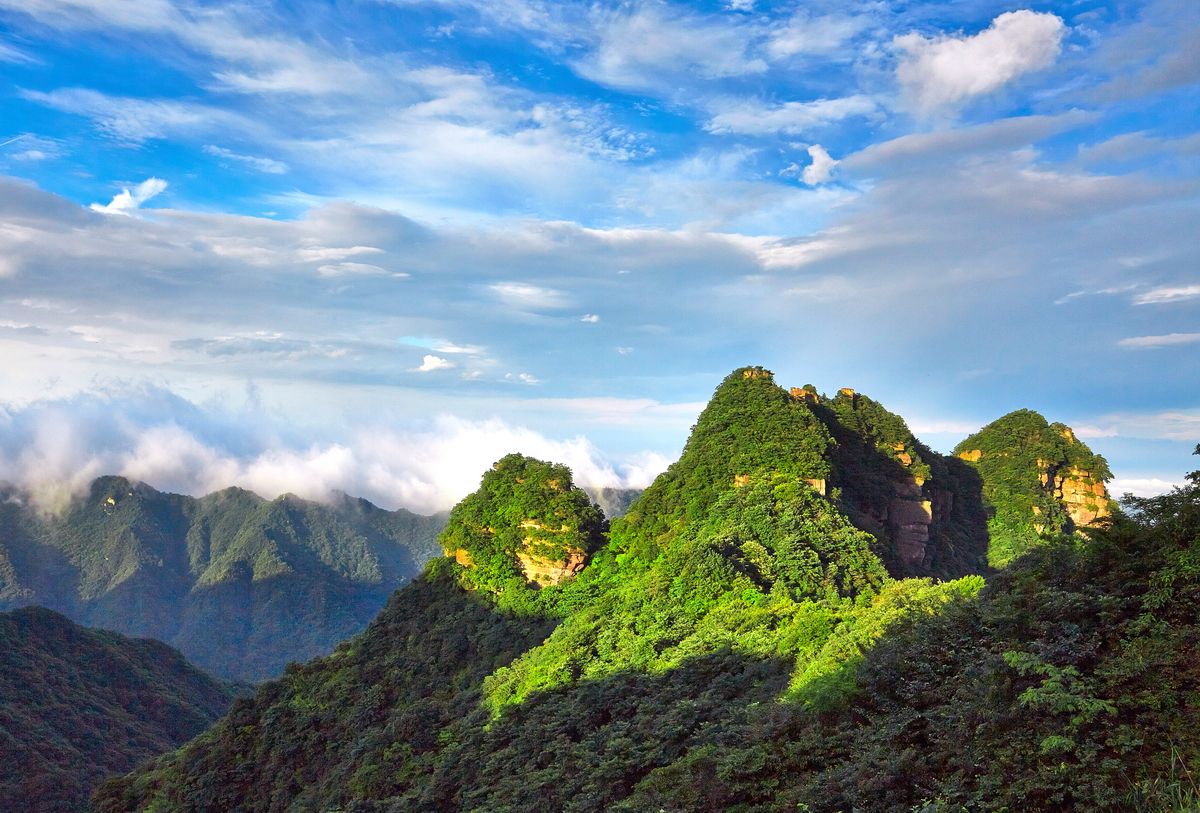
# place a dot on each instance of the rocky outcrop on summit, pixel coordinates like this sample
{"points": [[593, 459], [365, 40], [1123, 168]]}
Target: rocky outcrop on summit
{"points": [[1039, 481]]}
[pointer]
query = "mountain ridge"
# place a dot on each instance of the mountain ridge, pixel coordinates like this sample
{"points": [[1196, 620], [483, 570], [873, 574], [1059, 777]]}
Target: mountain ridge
{"points": [[736, 590], [241, 584]]}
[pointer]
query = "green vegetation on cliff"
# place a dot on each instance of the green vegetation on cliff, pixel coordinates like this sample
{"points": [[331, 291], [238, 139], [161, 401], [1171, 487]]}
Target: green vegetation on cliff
{"points": [[78, 705], [1039, 482], [738, 644], [526, 514]]}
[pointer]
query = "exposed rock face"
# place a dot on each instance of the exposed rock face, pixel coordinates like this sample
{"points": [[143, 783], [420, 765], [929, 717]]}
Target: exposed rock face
{"points": [[805, 394], [819, 485], [539, 569], [971, 455], [1085, 498], [909, 520], [542, 571]]}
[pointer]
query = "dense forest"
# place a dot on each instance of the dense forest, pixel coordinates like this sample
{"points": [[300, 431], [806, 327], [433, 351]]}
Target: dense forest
{"points": [[78, 705], [746, 638], [239, 584]]}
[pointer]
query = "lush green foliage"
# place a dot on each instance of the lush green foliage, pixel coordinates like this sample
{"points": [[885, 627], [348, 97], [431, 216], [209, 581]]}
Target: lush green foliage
{"points": [[750, 426], [240, 584], [523, 506], [1018, 450], [77, 705], [738, 645]]}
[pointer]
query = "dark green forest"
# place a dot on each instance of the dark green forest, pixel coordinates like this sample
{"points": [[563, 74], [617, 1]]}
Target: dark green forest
{"points": [[78, 705], [748, 638]]}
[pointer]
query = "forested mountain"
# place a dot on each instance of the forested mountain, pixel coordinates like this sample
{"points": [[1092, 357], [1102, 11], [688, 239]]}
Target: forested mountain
{"points": [[77, 705], [1038, 480], [239, 584], [739, 641]]}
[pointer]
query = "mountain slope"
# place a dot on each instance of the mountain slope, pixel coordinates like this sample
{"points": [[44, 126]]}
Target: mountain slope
{"points": [[737, 643], [77, 705], [240, 584]]}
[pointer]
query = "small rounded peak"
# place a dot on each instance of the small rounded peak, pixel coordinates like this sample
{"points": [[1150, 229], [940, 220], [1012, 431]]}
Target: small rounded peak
{"points": [[528, 525]]}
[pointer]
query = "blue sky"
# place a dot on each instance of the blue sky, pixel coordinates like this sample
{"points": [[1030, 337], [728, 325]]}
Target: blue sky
{"points": [[367, 245]]}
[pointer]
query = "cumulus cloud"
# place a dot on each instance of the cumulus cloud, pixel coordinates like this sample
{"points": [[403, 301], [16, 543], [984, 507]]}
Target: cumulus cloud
{"points": [[943, 72], [55, 448], [429, 363], [127, 201], [589, 318], [820, 170]]}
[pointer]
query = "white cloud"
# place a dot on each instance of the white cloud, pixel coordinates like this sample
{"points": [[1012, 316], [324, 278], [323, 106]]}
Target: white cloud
{"points": [[943, 72], [347, 268], [267, 165], [755, 118], [1159, 296], [820, 170], [127, 201], [654, 46], [524, 378], [805, 34], [1140, 486], [589, 318], [1165, 340], [134, 121], [524, 295], [429, 363], [55, 448]]}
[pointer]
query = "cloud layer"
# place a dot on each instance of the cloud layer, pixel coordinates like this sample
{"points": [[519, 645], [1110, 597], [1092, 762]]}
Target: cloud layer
{"points": [[55, 448]]}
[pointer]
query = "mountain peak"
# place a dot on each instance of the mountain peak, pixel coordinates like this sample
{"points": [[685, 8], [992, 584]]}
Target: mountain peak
{"points": [[1039, 481], [528, 525]]}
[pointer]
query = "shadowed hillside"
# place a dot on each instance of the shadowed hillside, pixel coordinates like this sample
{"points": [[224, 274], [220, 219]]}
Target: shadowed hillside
{"points": [[77, 705]]}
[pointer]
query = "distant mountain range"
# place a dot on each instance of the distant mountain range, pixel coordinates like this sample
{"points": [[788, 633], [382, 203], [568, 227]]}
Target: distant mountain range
{"points": [[241, 585], [77, 705]]}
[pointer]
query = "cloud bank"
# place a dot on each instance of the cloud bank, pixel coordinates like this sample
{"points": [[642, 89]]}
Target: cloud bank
{"points": [[54, 448]]}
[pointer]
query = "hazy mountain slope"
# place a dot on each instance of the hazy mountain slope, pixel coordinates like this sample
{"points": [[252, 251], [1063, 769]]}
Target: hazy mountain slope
{"points": [[240, 584], [77, 705]]}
